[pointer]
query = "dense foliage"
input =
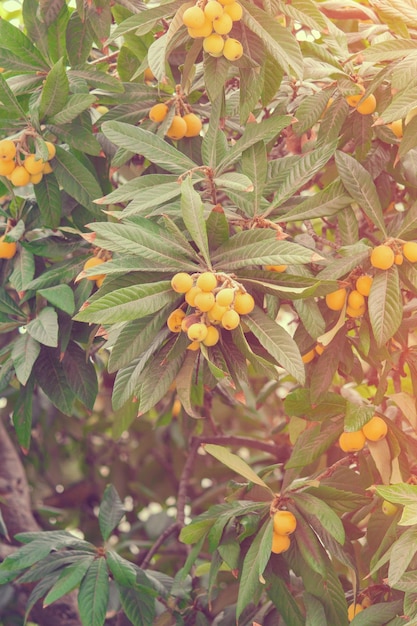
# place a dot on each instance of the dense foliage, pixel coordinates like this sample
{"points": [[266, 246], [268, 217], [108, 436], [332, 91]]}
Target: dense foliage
{"points": [[208, 310]]}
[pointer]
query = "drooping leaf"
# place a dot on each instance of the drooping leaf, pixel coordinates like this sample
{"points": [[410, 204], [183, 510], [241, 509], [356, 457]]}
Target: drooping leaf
{"points": [[51, 377], [76, 179], [385, 305], [69, 578], [44, 328], [74, 106], [80, 374], [111, 511], [60, 296], [235, 463], [13, 39], [54, 92], [24, 354], [138, 606], [192, 212], [93, 595]]}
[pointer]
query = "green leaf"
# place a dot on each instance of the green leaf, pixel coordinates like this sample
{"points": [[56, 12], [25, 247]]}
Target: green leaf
{"points": [[149, 145], [76, 180], [48, 197], [400, 105], [357, 416], [72, 108], [253, 566], [54, 92], [254, 165], [162, 369], [385, 305], [192, 211], [23, 270], [61, 296], [235, 463], [401, 493], [281, 596], [111, 511], [361, 187], [69, 578], [409, 515], [138, 606], [315, 614], [80, 374], [277, 341], [326, 516], [132, 188], [9, 100], [51, 377], [404, 550], [377, 614], [25, 351], [278, 41], [44, 328], [185, 382], [22, 413], [12, 38], [8, 305], [128, 303], [78, 39], [311, 444], [94, 594]]}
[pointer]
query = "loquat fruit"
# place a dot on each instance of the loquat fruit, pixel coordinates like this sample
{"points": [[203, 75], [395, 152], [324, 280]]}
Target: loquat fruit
{"points": [[51, 150], [213, 10], [410, 251], [243, 303], [223, 24], [284, 522], [336, 299], [280, 543], [234, 10], [197, 332], [226, 2], [352, 442], [376, 429], [364, 284], [20, 176], [388, 508], [230, 320], [214, 44], [193, 17], [276, 268], [194, 124], [397, 128], [7, 248], [225, 296], [7, 150], [356, 300], [204, 301], [100, 280], [216, 313], [351, 312], [202, 31], [6, 167], [207, 281], [36, 178], [191, 294], [177, 129], [158, 112], [174, 320], [213, 336], [194, 345], [181, 282], [33, 165], [353, 610], [93, 262], [232, 49], [398, 259], [47, 169], [382, 257], [366, 107]]}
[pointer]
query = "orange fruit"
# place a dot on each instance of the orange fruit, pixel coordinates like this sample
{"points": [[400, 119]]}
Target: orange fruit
{"points": [[181, 282], [285, 522], [20, 176], [382, 257], [336, 299], [225, 296], [7, 248], [353, 610], [33, 165], [213, 336], [230, 320], [352, 442], [376, 429], [174, 320], [204, 301], [234, 10], [177, 129], [223, 24], [6, 167], [356, 300], [193, 17], [213, 44], [364, 284], [197, 332], [158, 112], [7, 150], [207, 281], [232, 49], [194, 124], [280, 543], [244, 303], [93, 262], [410, 251]]}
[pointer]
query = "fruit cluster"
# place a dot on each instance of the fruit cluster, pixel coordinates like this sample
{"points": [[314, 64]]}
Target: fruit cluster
{"points": [[285, 524], [384, 256], [22, 168], [218, 301], [374, 430], [213, 21], [184, 123], [355, 299]]}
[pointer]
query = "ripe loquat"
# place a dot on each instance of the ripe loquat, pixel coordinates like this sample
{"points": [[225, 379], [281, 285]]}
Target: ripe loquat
{"points": [[213, 9], [202, 31], [213, 336], [336, 299], [7, 150], [193, 17], [352, 442], [51, 150], [397, 128], [6, 167], [356, 300], [216, 313], [194, 124], [177, 129], [181, 282], [276, 268], [93, 262], [33, 165], [191, 294], [197, 332], [376, 429], [47, 169], [232, 49], [174, 320], [398, 259], [244, 303], [207, 281], [230, 320], [284, 522], [410, 251], [234, 10], [20, 176], [223, 24], [214, 44], [158, 112], [351, 312], [204, 301], [280, 543], [7, 248], [353, 610], [382, 257], [225, 296], [36, 178], [366, 107], [364, 284]]}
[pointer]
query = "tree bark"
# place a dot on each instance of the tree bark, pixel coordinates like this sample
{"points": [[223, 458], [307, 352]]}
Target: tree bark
{"points": [[16, 509]]}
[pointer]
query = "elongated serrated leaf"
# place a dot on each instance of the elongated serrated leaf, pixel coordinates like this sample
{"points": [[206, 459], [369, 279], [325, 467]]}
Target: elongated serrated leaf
{"points": [[60, 296], [399, 494], [75, 105], [389, 50], [145, 17], [54, 92], [133, 187], [111, 511], [277, 341], [361, 187], [312, 443], [404, 550], [162, 369], [254, 165], [192, 212], [44, 328], [128, 303], [51, 377], [68, 580], [23, 270], [322, 511], [315, 614], [401, 104], [80, 374], [8, 305], [152, 147], [138, 606], [49, 200], [77, 180], [149, 199], [9, 100], [78, 40], [94, 594], [235, 463], [184, 383], [385, 305], [22, 414], [13, 39], [24, 354], [281, 596], [357, 416]]}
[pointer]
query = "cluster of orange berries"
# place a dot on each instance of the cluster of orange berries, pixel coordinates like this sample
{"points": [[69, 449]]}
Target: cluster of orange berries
{"points": [[186, 125], [22, 169], [94, 261], [285, 524], [383, 257], [217, 300], [355, 299], [374, 430], [213, 21]]}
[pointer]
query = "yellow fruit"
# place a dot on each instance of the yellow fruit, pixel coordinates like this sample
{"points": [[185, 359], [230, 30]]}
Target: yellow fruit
{"points": [[364, 284], [376, 429], [410, 251], [102, 109], [356, 300], [397, 128], [244, 303], [351, 312], [100, 280], [213, 44], [47, 169], [203, 31], [352, 442], [276, 268], [213, 336], [36, 178], [213, 9], [148, 75], [7, 249], [204, 301], [33, 165], [216, 313], [388, 508], [51, 150], [353, 610], [158, 112], [223, 24], [366, 107], [319, 348], [194, 345], [234, 10], [193, 17], [194, 124], [230, 320], [232, 49], [6, 167], [280, 543], [382, 257], [174, 320], [7, 150], [225, 296], [336, 299], [191, 294], [207, 281], [189, 320], [20, 176], [197, 332], [398, 259], [181, 282], [177, 129], [308, 356], [285, 523], [93, 262], [226, 2]]}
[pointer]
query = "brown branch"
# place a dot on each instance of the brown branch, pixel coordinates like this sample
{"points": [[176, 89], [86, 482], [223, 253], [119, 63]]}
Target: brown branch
{"points": [[167, 533], [15, 507]]}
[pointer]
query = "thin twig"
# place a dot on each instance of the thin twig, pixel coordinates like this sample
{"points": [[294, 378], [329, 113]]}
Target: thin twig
{"points": [[167, 533]]}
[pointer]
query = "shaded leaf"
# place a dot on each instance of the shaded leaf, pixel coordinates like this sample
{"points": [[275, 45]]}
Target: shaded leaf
{"points": [[94, 594], [111, 511]]}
